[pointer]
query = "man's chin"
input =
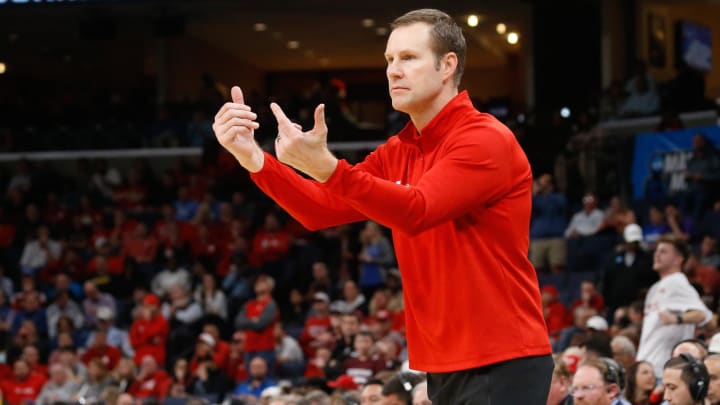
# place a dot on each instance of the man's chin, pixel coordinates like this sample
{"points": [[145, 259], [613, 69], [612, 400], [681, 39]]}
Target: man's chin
{"points": [[399, 106]]}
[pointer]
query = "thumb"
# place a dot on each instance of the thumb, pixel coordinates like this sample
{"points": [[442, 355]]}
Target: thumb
{"points": [[320, 118], [237, 95]]}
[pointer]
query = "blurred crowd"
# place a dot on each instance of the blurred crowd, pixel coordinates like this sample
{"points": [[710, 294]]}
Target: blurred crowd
{"points": [[187, 286]]}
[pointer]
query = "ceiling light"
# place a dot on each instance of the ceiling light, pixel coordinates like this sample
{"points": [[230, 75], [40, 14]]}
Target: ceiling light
{"points": [[293, 44], [501, 28], [381, 31], [259, 27], [3, 68], [512, 38], [473, 20], [324, 61], [368, 22]]}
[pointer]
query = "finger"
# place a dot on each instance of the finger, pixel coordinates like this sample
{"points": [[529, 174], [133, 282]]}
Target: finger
{"points": [[280, 116], [320, 118], [243, 122], [231, 106], [230, 114], [237, 95]]}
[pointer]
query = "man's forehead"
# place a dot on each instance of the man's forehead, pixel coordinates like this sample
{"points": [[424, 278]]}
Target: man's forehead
{"points": [[671, 374], [587, 374], [372, 389], [408, 38]]}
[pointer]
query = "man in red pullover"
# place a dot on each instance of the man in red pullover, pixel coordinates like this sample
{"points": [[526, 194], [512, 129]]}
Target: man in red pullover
{"points": [[455, 187]]}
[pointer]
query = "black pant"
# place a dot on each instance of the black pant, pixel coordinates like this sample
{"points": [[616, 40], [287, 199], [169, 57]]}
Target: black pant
{"points": [[524, 381]]}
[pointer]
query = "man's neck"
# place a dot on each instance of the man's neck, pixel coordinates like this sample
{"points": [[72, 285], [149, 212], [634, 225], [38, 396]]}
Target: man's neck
{"points": [[668, 272], [421, 118]]}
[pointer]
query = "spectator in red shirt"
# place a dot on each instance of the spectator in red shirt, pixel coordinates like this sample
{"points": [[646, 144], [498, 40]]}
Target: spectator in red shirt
{"points": [[149, 331], [589, 297], [122, 228], [167, 228], [100, 349], [257, 318], [234, 364], [31, 355], [321, 365], [132, 195], [222, 348], [204, 348], [556, 315], [23, 386], [151, 382], [317, 325], [105, 262], [205, 245], [140, 245], [270, 245]]}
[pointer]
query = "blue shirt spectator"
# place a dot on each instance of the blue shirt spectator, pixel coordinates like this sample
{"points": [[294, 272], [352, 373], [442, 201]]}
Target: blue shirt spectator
{"points": [[185, 207], [31, 310], [549, 211], [258, 379]]}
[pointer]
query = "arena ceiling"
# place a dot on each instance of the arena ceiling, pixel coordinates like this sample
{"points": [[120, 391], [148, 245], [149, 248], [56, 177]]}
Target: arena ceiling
{"points": [[328, 34]]}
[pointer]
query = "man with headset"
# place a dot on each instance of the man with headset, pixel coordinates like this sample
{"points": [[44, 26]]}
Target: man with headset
{"points": [[712, 362], [398, 389], [598, 382], [686, 381]]}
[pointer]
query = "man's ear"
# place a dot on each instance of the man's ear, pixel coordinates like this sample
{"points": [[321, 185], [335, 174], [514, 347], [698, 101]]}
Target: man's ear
{"points": [[613, 390], [448, 65]]}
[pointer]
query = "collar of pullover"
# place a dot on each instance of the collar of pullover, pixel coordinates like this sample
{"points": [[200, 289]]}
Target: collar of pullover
{"points": [[454, 111]]}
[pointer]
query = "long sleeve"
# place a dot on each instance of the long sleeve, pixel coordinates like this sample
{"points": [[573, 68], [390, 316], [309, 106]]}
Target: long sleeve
{"points": [[241, 319], [189, 314], [306, 200], [480, 155], [268, 315]]}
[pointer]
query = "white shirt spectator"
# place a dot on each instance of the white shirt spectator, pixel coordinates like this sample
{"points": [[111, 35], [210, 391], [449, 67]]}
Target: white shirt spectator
{"points": [[584, 223], [215, 304], [60, 308], [289, 350], [672, 293], [36, 256], [187, 312], [167, 279]]}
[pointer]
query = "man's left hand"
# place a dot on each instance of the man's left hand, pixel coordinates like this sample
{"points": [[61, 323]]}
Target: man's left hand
{"points": [[305, 151], [667, 318]]}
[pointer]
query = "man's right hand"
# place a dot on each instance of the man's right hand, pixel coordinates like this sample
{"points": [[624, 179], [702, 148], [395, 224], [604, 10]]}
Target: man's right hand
{"points": [[235, 127]]}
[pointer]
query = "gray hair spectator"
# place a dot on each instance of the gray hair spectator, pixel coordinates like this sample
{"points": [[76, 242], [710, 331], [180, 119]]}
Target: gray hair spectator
{"points": [[623, 350]]}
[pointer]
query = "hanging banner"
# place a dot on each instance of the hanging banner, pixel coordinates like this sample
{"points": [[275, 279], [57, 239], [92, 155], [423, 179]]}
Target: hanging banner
{"points": [[666, 153]]}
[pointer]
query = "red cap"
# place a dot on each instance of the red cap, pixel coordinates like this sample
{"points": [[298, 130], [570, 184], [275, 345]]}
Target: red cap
{"points": [[550, 289], [151, 299], [345, 382], [571, 361]]}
